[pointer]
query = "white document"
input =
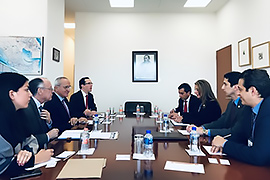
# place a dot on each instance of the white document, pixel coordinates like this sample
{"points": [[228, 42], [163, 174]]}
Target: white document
{"points": [[208, 149], [143, 157], [197, 153], [224, 162], [184, 132], [65, 154], [51, 164], [154, 116], [167, 131], [186, 167], [122, 157], [120, 115], [213, 160], [178, 124], [73, 134], [106, 122], [90, 122], [89, 151], [103, 135], [159, 121], [51, 161], [139, 113]]}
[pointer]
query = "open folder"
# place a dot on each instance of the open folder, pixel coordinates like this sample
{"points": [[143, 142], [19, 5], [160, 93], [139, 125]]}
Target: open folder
{"points": [[82, 168]]}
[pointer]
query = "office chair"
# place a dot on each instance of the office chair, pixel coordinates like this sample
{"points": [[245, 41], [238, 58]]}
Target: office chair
{"points": [[130, 107]]}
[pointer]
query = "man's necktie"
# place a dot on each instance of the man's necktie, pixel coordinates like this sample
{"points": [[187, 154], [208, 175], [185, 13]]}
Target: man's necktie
{"points": [[185, 106], [66, 107], [40, 109], [86, 102], [253, 120]]}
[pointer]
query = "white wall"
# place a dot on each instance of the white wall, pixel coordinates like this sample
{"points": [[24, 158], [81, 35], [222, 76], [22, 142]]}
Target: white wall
{"points": [[240, 19], [186, 44], [36, 18]]}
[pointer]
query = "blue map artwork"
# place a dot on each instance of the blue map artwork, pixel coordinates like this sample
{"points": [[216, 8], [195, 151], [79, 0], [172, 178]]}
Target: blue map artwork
{"points": [[21, 54]]}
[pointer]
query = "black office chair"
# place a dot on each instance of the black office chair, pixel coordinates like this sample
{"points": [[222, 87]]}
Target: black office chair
{"points": [[130, 107]]}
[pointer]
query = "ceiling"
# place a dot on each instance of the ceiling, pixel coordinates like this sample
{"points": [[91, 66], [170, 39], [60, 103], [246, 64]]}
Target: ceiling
{"points": [[141, 6]]}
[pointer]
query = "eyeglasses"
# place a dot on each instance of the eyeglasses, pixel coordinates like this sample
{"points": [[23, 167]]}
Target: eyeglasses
{"points": [[89, 83], [67, 87]]}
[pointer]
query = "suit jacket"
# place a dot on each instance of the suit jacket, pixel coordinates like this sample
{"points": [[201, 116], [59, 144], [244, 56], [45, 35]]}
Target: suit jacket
{"points": [[58, 112], [237, 147], [223, 126], [77, 106], [33, 123], [208, 112], [194, 104]]}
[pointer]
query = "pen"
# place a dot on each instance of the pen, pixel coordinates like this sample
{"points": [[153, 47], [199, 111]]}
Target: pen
{"points": [[229, 135]]}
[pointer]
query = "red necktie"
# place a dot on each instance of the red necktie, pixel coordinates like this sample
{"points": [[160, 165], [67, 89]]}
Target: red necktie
{"points": [[185, 106], [86, 103]]}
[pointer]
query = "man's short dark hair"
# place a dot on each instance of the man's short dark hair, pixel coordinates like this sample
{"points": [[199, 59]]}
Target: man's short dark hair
{"points": [[232, 77], [186, 87], [82, 81], [34, 84], [257, 78]]}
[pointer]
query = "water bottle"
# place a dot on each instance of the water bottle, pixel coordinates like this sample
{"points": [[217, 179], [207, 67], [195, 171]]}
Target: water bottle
{"points": [[194, 140], [138, 109], [148, 144], [85, 140], [156, 110], [96, 122], [121, 110], [165, 123]]}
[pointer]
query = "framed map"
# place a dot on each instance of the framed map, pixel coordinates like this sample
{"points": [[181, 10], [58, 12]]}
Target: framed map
{"points": [[21, 54]]}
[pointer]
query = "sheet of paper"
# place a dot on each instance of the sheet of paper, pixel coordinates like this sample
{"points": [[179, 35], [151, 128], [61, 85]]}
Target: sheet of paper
{"points": [[106, 122], [89, 151], [73, 134], [139, 113], [65, 154], [122, 157], [168, 131], [51, 164], [159, 121], [154, 116], [186, 167], [213, 160], [103, 135], [142, 157], [208, 149], [178, 124], [90, 122], [184, 132], [224, 162], [43, 164], [120, 115], [197, 153]]}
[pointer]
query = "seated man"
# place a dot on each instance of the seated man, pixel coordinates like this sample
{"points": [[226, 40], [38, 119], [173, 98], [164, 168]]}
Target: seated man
{"points": [[37, 120], [249, 140], [82, 102], [224, 124], [59, 105], [188, 104]]}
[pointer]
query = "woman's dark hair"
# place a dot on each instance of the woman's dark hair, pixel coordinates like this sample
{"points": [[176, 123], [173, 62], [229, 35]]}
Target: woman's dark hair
{"points": [[205, 91]]}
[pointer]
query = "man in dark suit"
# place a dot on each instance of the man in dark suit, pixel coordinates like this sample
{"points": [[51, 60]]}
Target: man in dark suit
{"points": [[188, 104], [82, 102], [228, 119], [249, 141], [37, 120], [59, 105]]}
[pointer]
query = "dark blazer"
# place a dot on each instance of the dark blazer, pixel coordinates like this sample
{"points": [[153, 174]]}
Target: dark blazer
{"points": [[77, 106], [223, 126], [194, 104], [208, 112], [33, 123], [237, 147], [58, 113]]}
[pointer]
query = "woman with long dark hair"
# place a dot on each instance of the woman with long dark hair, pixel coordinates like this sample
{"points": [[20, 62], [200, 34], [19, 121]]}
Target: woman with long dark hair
{"points": [[17, 150]]}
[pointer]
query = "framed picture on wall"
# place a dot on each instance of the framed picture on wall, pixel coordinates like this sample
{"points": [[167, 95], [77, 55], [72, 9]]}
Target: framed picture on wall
{"points": [[244, 52], [56, 55], [260, 55], [144, 66]]}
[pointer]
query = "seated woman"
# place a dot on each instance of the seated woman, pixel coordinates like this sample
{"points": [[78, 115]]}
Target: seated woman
{"points": [[17, 150], [209, 110]]}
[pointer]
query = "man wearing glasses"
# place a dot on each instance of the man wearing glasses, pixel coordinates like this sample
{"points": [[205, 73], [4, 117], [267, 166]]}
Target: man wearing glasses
{"points": [[82, 102], [37, 120], [59, 105]]}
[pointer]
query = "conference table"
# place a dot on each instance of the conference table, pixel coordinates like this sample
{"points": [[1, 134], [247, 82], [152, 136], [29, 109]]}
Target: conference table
{"points": [[146, 169]]}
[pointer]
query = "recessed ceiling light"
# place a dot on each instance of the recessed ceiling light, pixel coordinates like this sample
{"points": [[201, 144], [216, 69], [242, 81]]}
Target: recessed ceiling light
{"points": [[197, 3], [69, 25], [122, 3]]}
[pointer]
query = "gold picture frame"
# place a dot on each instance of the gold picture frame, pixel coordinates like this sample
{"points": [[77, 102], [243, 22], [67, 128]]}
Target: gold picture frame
{"points": [[244, 52], [260, 55]]}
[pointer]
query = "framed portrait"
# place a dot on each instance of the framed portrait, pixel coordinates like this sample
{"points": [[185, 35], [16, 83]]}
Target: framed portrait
{"points": [[56, 55], [20, 54], [244, 52], [144, 66], [260, 55]]}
